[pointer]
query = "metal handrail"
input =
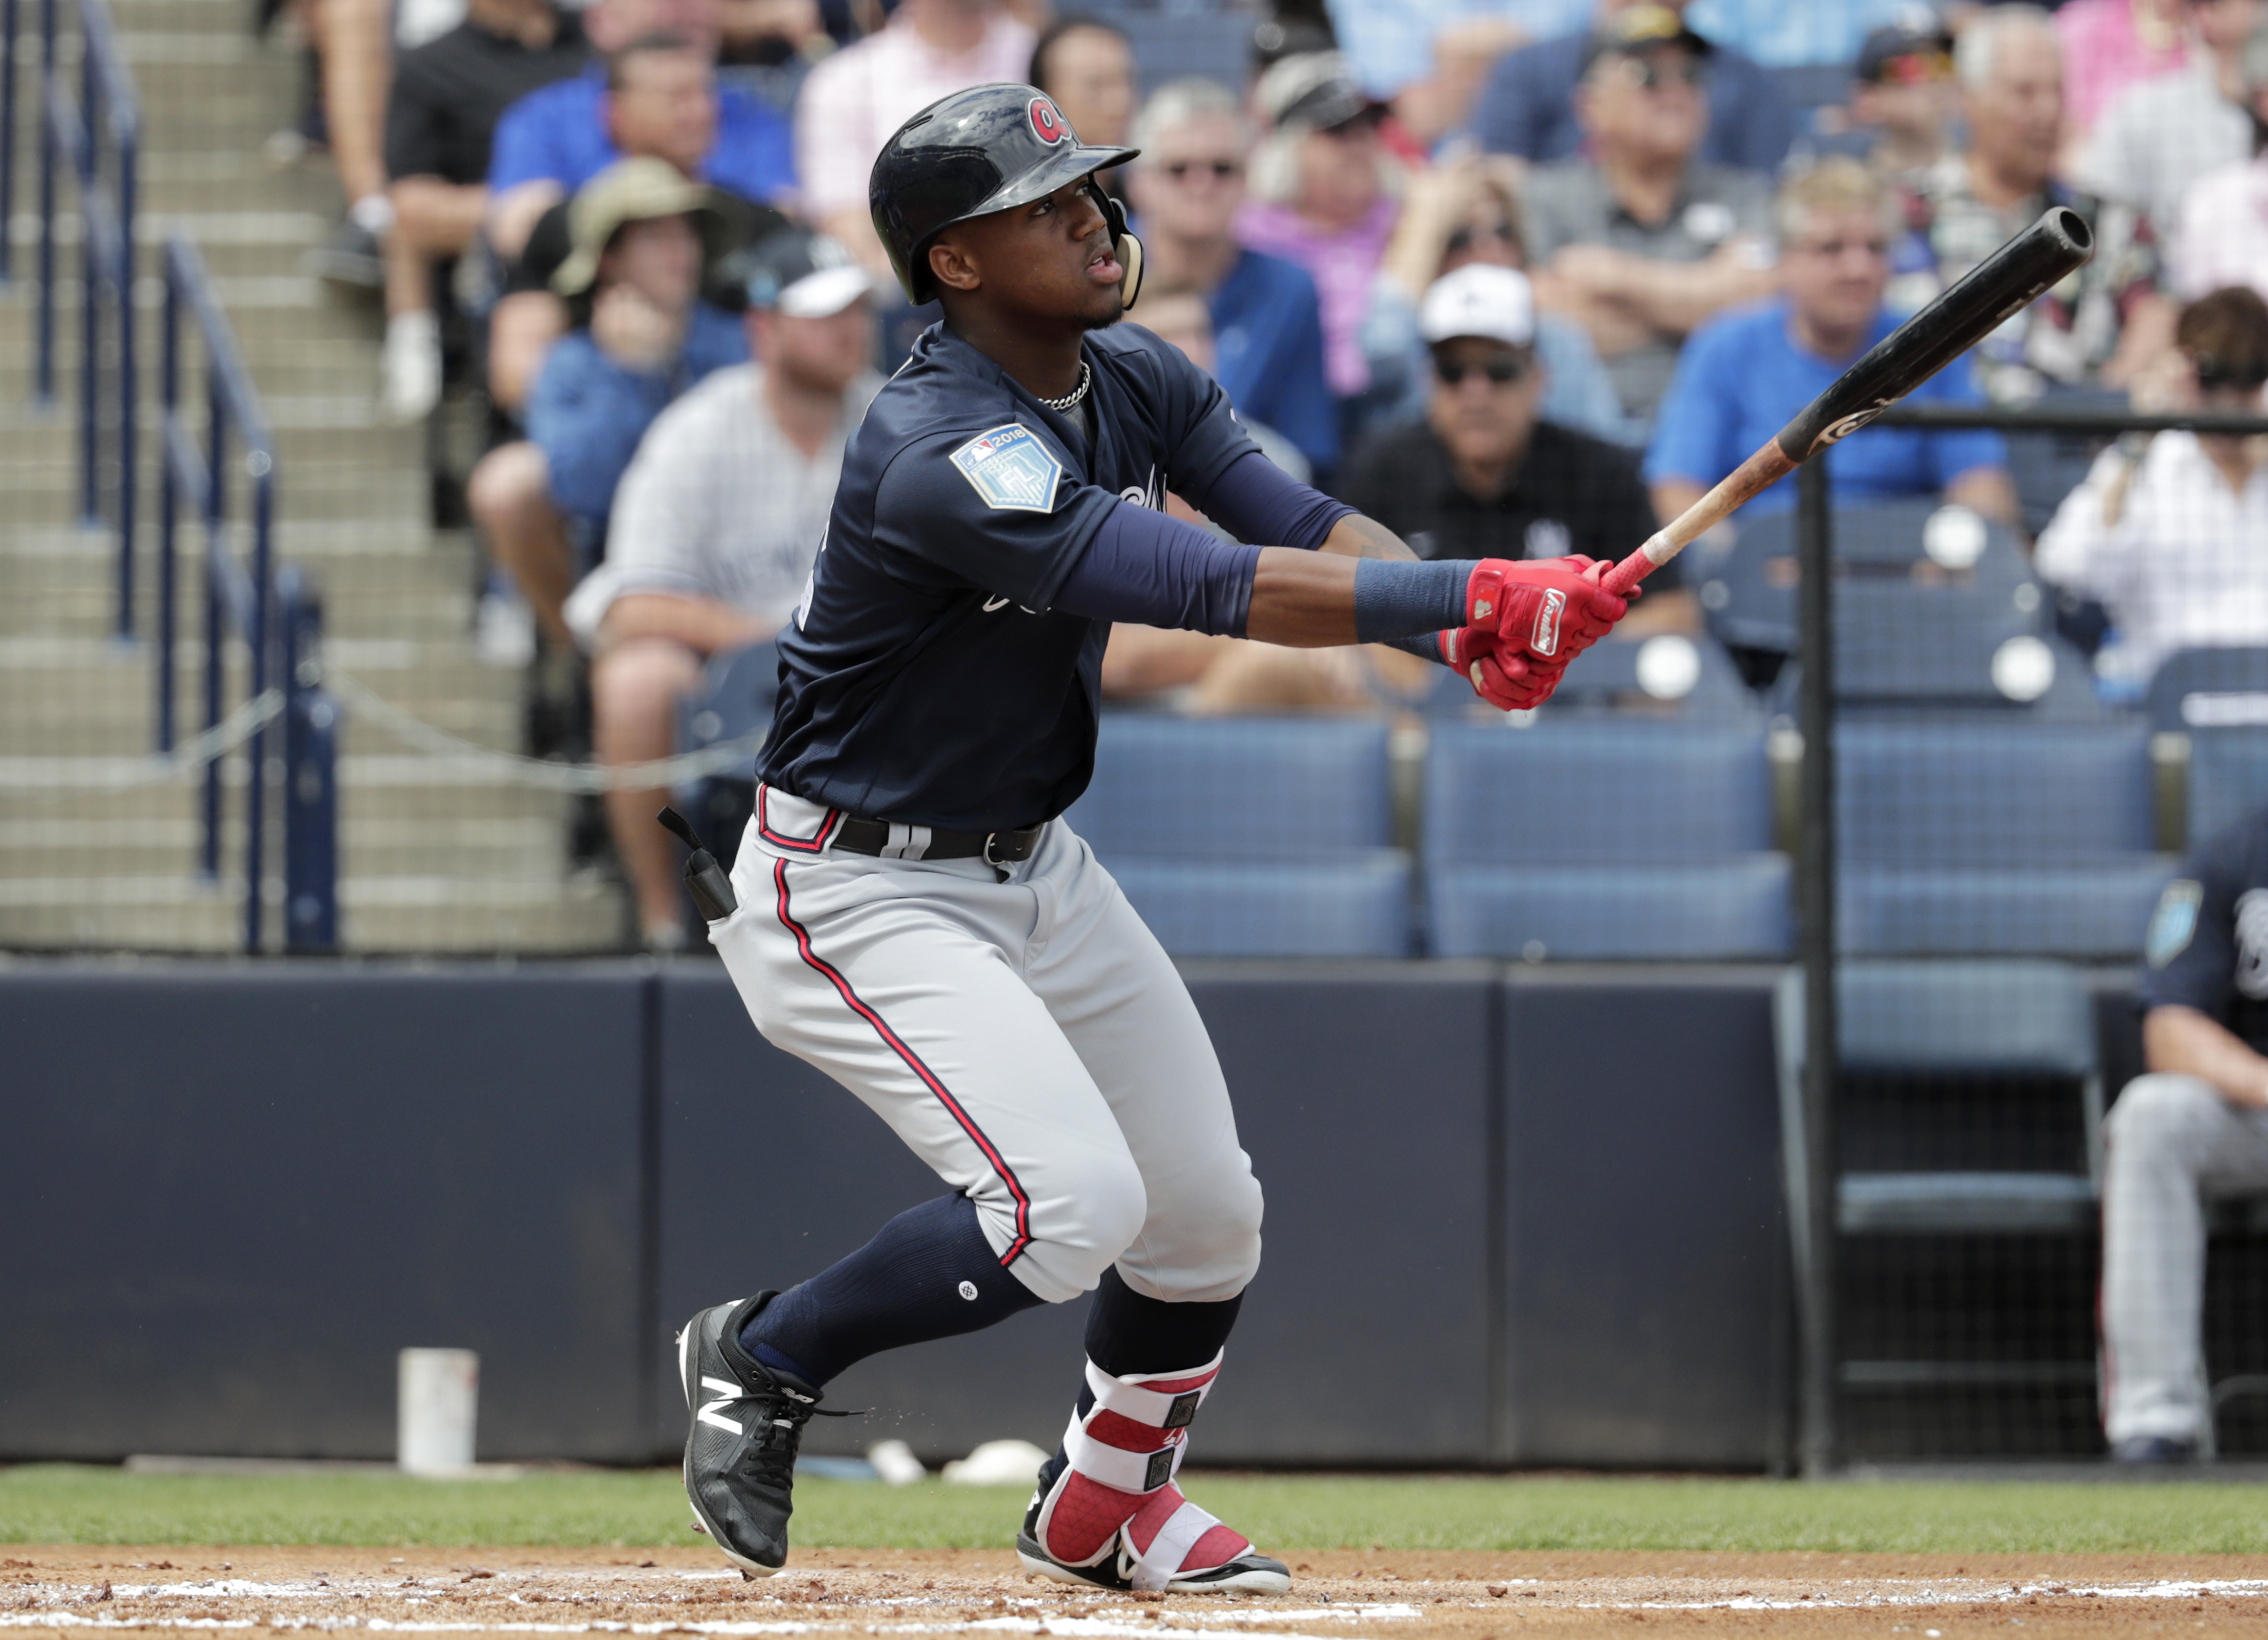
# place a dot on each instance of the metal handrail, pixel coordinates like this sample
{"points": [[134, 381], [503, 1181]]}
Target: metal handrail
{"points": [[277, 614], [99, 129]]}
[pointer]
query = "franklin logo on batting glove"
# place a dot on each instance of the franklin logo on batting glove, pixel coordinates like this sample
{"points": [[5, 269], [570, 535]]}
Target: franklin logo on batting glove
{"points": [[1544, 640]]}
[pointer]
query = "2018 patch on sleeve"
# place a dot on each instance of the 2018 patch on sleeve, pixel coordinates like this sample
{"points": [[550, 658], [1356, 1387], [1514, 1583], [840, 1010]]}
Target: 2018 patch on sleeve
{"points": [[1011, 468], [2174, 922]]}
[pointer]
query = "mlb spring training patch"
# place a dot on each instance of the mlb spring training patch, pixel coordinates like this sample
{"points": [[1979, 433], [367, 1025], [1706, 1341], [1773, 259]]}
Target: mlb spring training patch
{"points": [[1011, 468], [2174, 922]]}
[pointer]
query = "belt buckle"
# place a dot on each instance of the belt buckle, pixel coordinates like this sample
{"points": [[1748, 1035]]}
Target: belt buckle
{"points": [[990, 838]]}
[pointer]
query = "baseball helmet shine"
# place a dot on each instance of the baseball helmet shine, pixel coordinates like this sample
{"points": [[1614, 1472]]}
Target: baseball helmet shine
{"points": [[986, 148]]}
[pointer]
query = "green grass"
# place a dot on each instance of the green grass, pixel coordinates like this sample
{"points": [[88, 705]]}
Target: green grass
{"points": [[61, 1502]]}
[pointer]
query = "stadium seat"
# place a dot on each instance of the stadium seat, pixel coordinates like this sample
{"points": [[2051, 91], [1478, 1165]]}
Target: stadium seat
{"points": [[1985, 838], [1992, 1025], [2210, 688], [1606, 839], [1667, 675], [2228, 778], [1251, 836]]}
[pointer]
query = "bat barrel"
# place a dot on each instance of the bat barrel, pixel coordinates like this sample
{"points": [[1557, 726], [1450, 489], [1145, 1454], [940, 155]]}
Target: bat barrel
{"points": [[2005, 282]]}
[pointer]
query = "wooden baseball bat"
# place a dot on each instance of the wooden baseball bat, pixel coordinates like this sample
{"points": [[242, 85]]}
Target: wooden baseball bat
{"points": [[2007, 280]]}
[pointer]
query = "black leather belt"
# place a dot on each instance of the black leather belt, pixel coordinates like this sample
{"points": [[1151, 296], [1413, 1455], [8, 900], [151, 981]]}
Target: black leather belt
{"points": [[994, 847]]}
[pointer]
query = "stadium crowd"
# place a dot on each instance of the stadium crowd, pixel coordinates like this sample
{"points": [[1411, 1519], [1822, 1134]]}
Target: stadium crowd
{"points": [[1517, 277]]}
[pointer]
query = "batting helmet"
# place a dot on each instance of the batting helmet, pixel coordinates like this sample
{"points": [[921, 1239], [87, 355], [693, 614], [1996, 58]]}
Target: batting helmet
{"points": [[986, 148]]}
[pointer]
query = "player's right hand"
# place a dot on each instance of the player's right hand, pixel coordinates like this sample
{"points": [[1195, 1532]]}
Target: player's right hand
{"points": [[1545, 610]]}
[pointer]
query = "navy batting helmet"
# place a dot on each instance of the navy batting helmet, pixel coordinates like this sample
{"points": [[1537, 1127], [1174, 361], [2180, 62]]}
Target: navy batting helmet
{"points": [[986, 148]]}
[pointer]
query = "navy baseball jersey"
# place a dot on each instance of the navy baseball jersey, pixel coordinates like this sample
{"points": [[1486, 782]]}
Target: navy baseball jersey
{"points": [[924, 680], [2207, 947]]}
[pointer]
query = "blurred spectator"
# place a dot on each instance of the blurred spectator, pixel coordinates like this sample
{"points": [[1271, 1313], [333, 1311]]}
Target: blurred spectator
{"points": [[1482, 475], [2109, 45], [448, 97], [1323, 188], [1746, 373], [663, 110], [1087, 67], [1397, 45], [716, 523], [2193, 1128], [2160, 134], [1901, 100], [1458, 214], [858, 96], [353, 49], [660, 72], [1792, 34], [768, 46], [2223, 234], [643, 337], [2169, 531], [1643, 240], [1267, 321], [1527, 108], [2099, 326]]}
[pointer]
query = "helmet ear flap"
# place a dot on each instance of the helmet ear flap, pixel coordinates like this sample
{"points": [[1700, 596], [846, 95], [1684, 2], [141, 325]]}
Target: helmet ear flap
{"points": [[1130, 258]]}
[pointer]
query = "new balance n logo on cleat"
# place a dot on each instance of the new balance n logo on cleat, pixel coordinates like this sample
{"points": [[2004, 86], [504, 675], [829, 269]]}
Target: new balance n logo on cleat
{"points": [[727, 1393]]}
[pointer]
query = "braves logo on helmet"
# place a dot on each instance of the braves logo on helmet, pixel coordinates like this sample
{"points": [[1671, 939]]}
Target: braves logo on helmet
{"points": [[1048, 121]]}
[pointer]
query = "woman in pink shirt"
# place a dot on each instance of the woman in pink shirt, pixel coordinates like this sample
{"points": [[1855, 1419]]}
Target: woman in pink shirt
{"points": [[2109, 44], [1325, 188]]}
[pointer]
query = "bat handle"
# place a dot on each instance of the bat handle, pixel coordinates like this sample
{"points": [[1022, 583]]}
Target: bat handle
{"points": [[1623, 579]]}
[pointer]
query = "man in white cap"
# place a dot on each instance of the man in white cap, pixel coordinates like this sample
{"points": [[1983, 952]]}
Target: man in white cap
{"points": [[1482, 475], [716, 523]]}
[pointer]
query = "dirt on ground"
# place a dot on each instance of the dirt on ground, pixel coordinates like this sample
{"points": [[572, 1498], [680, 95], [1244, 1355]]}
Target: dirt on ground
{"points": [[1336, 1595]]}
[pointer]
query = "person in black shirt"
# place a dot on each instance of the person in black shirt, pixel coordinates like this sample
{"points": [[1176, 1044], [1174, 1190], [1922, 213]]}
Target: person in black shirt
{"points": [[2195, 1125], [1481, 476], [446, 99]]}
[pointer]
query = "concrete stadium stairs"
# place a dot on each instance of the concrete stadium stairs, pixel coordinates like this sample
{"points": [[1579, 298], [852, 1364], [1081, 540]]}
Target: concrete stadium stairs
{"points": [[435, 856]]}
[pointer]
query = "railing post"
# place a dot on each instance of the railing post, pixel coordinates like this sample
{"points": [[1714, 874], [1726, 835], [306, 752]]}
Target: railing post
{"points": [[1818, 1441], [258, 464], [8, 18], [90, 283], [43, 316], [311, 791], [130, 384], [215, 628], [169, 394]]}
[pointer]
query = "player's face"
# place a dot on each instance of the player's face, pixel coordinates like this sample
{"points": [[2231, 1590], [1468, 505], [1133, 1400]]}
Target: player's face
{"points": [[1051, 260]]}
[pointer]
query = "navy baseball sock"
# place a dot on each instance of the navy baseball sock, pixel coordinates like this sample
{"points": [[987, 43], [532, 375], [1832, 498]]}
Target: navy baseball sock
{"points": [[1129, 1335], [928, 1273]]}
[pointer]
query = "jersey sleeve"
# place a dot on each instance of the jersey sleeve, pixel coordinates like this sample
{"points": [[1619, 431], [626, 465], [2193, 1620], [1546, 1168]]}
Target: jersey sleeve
{"points": [[996, 510], [1203, 436], [2188, 957]]}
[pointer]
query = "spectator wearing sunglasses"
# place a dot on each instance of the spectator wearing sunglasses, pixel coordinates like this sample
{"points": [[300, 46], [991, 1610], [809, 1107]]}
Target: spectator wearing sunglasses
{"points": [[1527, 108], [2167, 531], [1186, 189], [1481, 475], [1744, 374], [1643, 240]]}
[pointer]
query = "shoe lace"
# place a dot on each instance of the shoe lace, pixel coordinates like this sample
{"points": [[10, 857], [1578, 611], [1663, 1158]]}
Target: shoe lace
{"points": [[771, 1459]]}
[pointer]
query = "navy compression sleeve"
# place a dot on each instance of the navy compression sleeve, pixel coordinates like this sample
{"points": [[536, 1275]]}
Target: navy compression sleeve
{"points": [[1255, 500], [1143, 566]]}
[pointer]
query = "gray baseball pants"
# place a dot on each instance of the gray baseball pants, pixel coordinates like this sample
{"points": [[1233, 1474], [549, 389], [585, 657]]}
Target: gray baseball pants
{"points": [[2170, 1143], [1029, 1040]]}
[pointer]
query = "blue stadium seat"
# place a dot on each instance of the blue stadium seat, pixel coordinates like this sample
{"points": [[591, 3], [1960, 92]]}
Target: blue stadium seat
{"points": [[1980, 837], [1982, 1022], [1251, 836], [1610, 839], [1174, 40], [1668, 675], [2228, 778], [2210, 689]]}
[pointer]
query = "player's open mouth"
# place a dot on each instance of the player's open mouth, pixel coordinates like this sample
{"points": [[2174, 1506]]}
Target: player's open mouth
{"points": [[1104, 268]]}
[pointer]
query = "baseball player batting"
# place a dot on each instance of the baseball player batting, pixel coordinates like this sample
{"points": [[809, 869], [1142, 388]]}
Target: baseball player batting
{"points": [[915, 918]]}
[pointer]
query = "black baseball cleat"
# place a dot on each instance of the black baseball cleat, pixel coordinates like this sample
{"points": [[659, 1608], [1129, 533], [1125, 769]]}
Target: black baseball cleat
{"points": [[739, 1447]]}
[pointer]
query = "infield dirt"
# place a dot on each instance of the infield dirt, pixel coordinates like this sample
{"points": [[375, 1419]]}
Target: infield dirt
{"points": [[1339, 1594]]}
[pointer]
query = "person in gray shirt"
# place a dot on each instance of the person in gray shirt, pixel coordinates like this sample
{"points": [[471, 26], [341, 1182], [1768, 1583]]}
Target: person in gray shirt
{"points": [[1641, 241], [2161, 134], [716, 525]]}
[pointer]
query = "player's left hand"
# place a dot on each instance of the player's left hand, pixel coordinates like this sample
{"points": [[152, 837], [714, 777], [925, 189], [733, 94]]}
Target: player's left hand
{"points": [[1514, 683]]}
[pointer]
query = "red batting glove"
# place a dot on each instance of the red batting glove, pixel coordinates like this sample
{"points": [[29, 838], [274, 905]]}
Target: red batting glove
{"points": [[1513, 683], [1545, 609]]}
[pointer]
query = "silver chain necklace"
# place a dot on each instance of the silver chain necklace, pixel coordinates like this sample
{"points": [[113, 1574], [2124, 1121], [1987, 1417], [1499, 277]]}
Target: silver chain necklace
{"points": [[1069, 402]]}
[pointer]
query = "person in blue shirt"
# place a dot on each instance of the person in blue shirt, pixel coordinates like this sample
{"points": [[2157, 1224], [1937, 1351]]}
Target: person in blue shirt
{"points": [[640, 337], [553, 141], [1744, 373], [1528, 107], [1267, 320]]}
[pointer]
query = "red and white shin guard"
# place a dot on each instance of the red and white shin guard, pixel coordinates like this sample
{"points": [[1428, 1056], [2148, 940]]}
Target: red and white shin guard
{"points": [[1114, 1517]]}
